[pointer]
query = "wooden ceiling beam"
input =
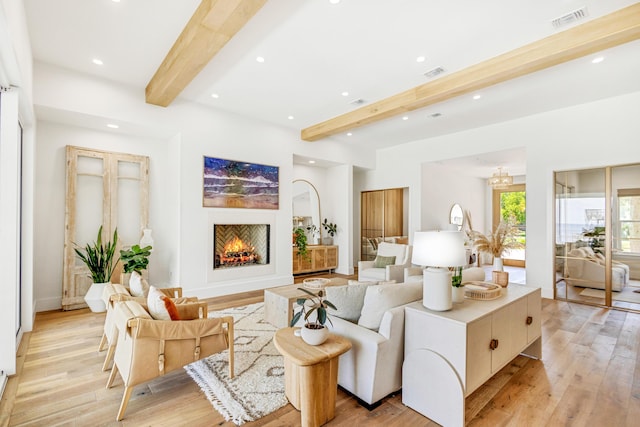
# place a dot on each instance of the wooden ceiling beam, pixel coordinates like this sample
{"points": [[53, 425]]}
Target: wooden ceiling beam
{"points": [[212, 25], [611, 30]]}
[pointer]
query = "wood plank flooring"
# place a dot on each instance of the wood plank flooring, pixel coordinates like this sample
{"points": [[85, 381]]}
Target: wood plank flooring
{"points": [[589, 376]]}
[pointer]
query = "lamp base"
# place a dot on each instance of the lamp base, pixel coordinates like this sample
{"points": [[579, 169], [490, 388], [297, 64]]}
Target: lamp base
{"points": [[436, 289]]}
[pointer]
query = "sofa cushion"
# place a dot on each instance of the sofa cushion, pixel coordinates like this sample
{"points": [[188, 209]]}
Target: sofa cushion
{"points": [[160, 306], [382, 261], [381, 298], [362, 282], [348, 299]]}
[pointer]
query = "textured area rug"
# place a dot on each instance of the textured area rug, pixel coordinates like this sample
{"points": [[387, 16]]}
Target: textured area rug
{"points": [[627, 294], [258, 386]]}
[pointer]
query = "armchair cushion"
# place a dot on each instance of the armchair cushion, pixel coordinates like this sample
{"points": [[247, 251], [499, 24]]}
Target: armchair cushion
{"points": [[160, 306], [393, 249], [382, 261], [379, 299]]}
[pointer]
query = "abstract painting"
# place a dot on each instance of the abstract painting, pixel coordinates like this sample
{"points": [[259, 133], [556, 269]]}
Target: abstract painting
{"points": [[234, 184]]}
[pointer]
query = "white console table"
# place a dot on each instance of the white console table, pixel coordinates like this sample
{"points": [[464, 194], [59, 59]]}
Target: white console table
{"points": [[449, 354]]}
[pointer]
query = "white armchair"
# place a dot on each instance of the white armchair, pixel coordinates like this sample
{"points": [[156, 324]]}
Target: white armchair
{"points": [[367, 270]]}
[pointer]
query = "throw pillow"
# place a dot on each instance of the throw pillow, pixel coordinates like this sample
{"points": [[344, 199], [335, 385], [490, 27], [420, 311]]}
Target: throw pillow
{"points": [[160, 306], [348, 299], [364, 282], [383, 261], [381, 298], [139, 287]]}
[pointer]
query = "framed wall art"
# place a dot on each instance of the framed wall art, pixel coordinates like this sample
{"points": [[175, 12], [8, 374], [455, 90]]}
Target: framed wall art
{"points": [[234, 184]]}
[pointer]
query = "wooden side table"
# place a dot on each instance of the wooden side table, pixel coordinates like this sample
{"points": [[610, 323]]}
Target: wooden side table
{"points": [[311, 374]]}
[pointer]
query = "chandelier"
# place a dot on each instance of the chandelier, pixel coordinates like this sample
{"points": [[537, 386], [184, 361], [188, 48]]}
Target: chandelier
{"points": [[500, 180]]}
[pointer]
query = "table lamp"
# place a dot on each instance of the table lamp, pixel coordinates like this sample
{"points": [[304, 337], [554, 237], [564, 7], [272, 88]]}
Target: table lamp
{"points": [[437, 251]]}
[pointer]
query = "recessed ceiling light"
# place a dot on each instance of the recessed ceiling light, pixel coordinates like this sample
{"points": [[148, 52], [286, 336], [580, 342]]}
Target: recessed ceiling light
{"points": [[116, 1], [405, 118], [290, 117], [345, 93], [215, 95], [349, 134], [597, 60], [477, 96], [312, 161], [112, 126], [260, 59], [334, 1], [420, 59], [97, 61]]}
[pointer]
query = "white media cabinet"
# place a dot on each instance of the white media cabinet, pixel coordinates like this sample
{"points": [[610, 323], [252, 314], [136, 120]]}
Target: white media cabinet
{"points": [[449, 354]]}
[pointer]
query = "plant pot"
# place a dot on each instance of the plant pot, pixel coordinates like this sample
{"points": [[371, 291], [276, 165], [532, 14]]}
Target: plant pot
{"points": [[457, 294], [497, 264], [327, 241], [93, 298], [314, 334]]}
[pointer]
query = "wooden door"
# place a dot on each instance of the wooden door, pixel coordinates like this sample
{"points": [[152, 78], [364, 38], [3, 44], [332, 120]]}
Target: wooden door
{"points": [[103, 188], [393, 212]]}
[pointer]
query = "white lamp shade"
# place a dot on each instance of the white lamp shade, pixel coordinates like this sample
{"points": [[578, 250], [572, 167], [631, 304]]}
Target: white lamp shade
{"points": [[438, 249]]}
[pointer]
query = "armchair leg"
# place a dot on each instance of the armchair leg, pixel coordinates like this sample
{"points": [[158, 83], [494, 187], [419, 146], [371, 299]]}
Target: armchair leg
{"points": [[231, 344], [112, 376], [109, 357], [124, 403], [103, 341]]}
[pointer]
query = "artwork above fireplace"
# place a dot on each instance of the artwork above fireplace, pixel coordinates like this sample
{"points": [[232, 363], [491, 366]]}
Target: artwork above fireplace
{"points": [[240, 245]]}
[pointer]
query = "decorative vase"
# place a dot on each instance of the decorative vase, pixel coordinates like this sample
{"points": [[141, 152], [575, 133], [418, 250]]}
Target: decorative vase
{"points": [[146, 239], [457, 294], [497, 264], [93, 298], [327, 241], [314, 334]]}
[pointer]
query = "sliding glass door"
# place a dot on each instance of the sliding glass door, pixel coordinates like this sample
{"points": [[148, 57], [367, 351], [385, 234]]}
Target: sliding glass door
{"points": [[597, 236]]}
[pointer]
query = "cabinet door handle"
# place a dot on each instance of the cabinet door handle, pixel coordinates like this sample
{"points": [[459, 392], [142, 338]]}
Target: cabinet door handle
{"points": [[529, 320], [493, 344]]}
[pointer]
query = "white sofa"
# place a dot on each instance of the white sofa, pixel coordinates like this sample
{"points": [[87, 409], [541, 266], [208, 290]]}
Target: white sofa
{"points": [[586, 269], [367, 270], [372, 369]]}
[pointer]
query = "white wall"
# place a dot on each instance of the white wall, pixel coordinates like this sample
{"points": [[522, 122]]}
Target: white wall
{"points": [[584, 136], [184, 133]]}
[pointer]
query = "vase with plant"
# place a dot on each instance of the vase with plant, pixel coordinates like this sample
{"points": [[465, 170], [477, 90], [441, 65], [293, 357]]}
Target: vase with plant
{"points": [[314, 231], [503, 238], [456, 282], [313, 332], [331, 229], [300, 242], [134, 261], [99, 257]]}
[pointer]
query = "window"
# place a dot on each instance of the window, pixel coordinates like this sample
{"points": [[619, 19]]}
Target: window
{"points": [[629, 220]]}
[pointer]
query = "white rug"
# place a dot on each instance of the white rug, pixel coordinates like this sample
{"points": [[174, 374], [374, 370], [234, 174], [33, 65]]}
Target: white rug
{"points": [[258, 386], [626, 295]]}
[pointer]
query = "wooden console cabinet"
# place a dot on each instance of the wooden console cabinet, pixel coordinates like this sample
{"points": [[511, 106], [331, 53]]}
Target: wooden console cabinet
{"points": [[319, 258], [450, 354]]}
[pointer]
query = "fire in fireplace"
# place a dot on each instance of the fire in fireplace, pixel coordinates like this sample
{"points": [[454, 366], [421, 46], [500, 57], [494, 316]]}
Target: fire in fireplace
{"points": [[238, 245]]}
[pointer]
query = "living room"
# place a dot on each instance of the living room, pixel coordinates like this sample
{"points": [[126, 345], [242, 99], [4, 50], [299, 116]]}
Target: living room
{"points": [[72, 108]]}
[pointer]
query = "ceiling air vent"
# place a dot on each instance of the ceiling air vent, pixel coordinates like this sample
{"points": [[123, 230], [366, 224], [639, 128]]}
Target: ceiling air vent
{"points": [[433, 73], [435, 115], [358, 101], [570, 17]]}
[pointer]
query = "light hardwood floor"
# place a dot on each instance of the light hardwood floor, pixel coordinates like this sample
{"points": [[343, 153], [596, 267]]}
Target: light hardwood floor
{"points": [[589, 376]]}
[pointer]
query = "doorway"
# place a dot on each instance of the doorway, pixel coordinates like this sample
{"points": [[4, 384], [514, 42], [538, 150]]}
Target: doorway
{"points": [[511, 204]]}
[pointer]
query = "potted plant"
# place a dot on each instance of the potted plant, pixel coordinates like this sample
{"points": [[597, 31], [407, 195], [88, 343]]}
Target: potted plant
{"points": [[313, 332], [315, 232], [135, 259], [300, 241], [331, 229], [99, 259], [456, 283]]}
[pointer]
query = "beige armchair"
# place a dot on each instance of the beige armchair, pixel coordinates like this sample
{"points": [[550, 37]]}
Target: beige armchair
{"points": [[149, 348], [367, 270], [115, 292]]}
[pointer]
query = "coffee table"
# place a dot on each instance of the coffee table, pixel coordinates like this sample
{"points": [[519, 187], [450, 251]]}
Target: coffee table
{"points": [[279, 302], [311, 374]]}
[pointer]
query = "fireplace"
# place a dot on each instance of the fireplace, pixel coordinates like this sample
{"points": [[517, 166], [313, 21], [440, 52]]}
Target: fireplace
{"points": [[240, 245]]}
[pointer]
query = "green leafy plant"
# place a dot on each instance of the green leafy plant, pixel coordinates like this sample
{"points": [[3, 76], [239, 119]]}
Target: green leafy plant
{"points": [[135, 259], [331, 228], [456, 276], [314, 230], [300, 241], [318, 304], [99, 257]]}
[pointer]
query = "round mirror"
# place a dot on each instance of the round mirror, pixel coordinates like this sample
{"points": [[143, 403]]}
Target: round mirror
{"points": [[456, 216], [306, 210]]}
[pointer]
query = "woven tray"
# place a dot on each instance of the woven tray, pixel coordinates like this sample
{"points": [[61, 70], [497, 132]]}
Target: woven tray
{"points": [[483, 291], [315, 284]]}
